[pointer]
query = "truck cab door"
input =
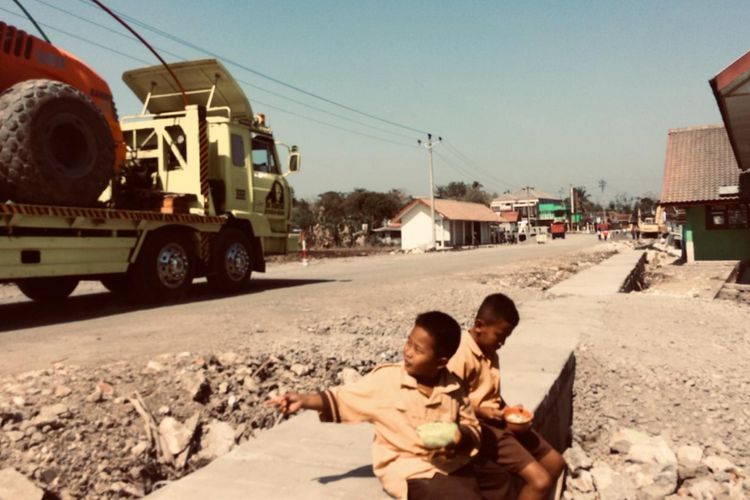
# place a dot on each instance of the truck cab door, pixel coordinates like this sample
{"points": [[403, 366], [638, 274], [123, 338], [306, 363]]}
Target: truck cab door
{"points": [[271, 194]]}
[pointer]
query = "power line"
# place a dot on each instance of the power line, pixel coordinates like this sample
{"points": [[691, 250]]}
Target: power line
{"points": [[356, 132], [469, 175], [67, 33], [181, 57], [334, 126], [471, 162], [179, 40]]}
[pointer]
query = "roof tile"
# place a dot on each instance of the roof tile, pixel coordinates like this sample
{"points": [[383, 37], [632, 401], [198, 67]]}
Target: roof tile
{"points": [[699, 161]]}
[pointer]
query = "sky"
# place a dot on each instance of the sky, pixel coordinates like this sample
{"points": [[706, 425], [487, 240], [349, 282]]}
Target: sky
{"points": [[543, 94]]}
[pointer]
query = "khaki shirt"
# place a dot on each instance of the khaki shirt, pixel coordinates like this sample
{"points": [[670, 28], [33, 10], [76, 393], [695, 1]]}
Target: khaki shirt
{"points": [[388, 398], [480, 374]]}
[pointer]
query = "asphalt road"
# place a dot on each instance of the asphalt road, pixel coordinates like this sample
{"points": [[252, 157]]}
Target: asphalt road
{"points": [[94, 327]]}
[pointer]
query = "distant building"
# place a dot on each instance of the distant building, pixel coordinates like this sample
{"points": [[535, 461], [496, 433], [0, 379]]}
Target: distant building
{"points": [[389, 233], [539, 207], [701, 177], [457, 223]]}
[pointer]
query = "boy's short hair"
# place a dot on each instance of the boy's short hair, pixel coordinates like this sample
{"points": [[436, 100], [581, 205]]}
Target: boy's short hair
{"points": [[498, 306], [444, 330]]}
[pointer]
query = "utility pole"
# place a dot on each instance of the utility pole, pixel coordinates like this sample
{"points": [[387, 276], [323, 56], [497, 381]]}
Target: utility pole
{"points": [[528, 209], [429, 145], [572, 205]]}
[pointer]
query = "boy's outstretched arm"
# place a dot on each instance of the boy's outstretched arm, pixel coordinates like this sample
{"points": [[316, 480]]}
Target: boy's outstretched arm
{"points": [[292, 402]]}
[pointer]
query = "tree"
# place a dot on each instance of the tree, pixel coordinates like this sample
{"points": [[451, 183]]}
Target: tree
{"points": [[647, 205], [583, 199], [371, 208], [461, 191], [303, 215]]}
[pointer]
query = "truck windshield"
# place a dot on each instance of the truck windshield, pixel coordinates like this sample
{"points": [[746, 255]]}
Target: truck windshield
{"points": [[264, 158]]}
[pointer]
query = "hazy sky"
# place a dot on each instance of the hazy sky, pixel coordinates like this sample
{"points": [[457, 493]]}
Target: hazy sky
{"points": [[545, 94]]}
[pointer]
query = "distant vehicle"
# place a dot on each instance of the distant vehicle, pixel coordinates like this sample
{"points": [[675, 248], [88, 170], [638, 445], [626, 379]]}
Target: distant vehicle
{"points": [[651, 227], [557, 229]]}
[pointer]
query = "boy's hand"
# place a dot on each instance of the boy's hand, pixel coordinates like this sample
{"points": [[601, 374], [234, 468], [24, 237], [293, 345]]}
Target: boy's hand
{"points": [[287, 403], [489, 413]]}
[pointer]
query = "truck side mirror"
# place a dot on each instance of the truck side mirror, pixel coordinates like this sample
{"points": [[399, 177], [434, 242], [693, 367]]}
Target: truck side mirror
{"points": [[293, 163]]}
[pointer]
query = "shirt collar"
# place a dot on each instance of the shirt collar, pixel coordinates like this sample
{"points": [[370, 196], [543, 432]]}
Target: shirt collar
{"points": [[473, 346], [447, 382]]}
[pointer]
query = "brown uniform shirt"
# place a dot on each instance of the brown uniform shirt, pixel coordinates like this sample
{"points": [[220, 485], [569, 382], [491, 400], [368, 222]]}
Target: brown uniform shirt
{"points": [[388, 398], [480, 373]]}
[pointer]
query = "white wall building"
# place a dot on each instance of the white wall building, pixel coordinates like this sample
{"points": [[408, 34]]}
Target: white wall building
{"points": [[457, 223]]}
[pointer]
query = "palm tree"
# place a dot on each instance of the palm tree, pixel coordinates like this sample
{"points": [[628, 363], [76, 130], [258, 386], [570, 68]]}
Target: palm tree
{"points": [[583, 199]]}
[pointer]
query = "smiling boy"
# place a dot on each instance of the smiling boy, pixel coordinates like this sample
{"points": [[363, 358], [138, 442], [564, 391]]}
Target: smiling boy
{"points": [[477, 363], [397, 399]]}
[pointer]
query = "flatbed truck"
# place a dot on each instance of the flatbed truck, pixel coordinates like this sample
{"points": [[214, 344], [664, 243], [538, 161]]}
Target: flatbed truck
{"points": [[201, 192]]}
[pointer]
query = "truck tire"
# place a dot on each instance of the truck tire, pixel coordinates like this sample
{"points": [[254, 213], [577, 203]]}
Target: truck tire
{"points": [[48, 290], [231, 261], [164, 269], [55, 145]]}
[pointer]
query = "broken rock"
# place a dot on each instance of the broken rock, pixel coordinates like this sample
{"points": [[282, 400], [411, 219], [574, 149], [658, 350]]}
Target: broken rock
{"points": [[196, 385], [15, 486], [218, 440], [577, 459], [174, 436]]}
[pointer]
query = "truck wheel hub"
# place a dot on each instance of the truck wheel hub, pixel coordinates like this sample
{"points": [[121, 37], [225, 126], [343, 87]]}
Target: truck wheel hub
{"points": [[237, 262], [172, 265]]}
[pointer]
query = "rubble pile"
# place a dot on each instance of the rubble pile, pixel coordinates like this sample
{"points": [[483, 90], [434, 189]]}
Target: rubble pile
{"points": [[663, 413], [117, 431], [544, 274], [643, 467], [121, 430]]}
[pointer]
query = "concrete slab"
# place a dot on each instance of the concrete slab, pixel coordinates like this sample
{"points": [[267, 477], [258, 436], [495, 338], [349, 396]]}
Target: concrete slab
{"points": [[302, 458], [607, 278]]}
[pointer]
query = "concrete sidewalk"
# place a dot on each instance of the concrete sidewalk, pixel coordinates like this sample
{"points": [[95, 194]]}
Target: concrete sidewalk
{"points": [[302, 458], [614, 275]]}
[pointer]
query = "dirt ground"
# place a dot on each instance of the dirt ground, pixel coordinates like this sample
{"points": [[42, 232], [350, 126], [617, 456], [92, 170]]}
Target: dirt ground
{"points": [[673, 362]]}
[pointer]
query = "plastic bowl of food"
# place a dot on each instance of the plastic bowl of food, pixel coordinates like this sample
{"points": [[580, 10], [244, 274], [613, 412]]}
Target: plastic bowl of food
{"points": [[437, 434], [518, 418]]}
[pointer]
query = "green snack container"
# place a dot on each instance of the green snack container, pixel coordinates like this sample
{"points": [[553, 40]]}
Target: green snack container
{"points": [[437, 434]]}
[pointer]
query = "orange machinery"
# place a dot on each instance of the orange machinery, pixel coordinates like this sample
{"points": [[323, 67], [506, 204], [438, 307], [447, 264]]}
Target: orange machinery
{"points": [[26, 57]]}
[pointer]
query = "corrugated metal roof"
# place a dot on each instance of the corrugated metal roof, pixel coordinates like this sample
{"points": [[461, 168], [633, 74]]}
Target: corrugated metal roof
{"points": [[699, 161], [523, 195]]}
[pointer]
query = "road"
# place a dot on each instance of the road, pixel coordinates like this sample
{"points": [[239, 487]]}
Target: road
{"points": [[94, 327]]}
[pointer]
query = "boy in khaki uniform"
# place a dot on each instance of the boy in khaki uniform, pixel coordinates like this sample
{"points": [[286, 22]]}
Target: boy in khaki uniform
{"points": [[476, 362], [396, 399]]}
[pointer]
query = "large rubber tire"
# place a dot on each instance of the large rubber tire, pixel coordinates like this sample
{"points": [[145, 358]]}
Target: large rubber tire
{"points": [[48, 290], [231, 261], [55, 145], [164, 269]]}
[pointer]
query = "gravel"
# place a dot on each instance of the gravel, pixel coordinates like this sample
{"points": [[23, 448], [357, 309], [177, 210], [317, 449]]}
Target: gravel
{"points": [[656, 366]]}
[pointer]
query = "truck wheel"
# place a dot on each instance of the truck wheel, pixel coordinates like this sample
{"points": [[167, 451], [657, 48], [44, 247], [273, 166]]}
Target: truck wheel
{"points": [[231, 261], [164, 269], [55, 145], [48, 290]]}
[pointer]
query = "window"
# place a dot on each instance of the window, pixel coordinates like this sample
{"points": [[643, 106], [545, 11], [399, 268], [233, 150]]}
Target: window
{"points": [[238, 151], [728, 216], [264, 158]]}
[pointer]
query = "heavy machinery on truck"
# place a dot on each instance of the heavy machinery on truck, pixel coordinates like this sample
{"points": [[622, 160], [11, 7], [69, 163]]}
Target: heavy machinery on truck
{"points": [[199, 190]]}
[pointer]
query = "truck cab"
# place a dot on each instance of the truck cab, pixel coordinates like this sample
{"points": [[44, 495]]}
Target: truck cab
{"points": [[205, 151]]}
